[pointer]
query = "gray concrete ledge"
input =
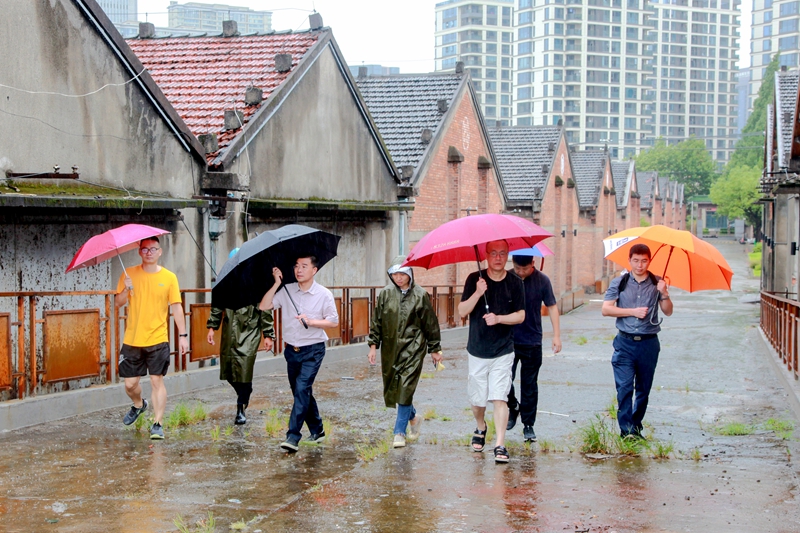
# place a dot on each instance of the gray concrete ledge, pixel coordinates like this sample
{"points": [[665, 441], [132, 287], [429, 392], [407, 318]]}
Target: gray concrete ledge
{"points": [[17, 414]]}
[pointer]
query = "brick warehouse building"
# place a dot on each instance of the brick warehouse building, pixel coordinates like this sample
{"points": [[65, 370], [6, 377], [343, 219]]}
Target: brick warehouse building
{"points": [[435, 133], [534, 164], [627, 195]]}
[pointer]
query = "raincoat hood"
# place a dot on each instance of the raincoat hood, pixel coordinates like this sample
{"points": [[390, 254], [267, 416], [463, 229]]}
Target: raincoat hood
{"points": [[395, 267]]}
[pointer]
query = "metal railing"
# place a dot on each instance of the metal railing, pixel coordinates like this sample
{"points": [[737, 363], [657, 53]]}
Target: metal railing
{"points": [[52, 341], [780, 318]]}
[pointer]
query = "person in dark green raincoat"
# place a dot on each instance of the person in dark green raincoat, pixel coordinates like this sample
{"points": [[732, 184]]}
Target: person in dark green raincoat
{"points": [[404, 326], [241, 337]]}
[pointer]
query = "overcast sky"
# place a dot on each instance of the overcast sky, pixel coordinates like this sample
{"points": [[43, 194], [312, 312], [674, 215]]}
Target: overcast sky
{"points": [[389, 33]]}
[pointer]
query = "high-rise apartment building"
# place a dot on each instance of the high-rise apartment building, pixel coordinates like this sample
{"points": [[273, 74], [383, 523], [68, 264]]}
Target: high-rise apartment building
{"points": [[209, 17], [481, 34], [693, 72], [775, 28], [616, 72], [119, 10]]}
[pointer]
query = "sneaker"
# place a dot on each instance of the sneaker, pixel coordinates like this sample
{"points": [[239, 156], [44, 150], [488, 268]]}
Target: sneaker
{"points": [[528, 434], [399, 441], [512, 419], [133, 414], [290, 446], [317, 437], [413, 427], [156, 432]]}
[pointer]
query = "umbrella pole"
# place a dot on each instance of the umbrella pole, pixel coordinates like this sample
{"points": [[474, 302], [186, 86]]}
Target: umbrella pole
{"points": [[664, 277], [295, 306], [478, 260], [123, 266]]}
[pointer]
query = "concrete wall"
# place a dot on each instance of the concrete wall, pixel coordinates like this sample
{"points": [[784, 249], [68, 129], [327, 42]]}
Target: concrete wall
{"points": [[318, 145], [115, 136]]}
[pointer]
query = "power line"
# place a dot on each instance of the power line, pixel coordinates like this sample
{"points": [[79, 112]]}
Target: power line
{"points": [[74, 95]]}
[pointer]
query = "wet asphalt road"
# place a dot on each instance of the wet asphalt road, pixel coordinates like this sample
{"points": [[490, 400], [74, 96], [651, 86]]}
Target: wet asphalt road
{"points": [[91, 474]]}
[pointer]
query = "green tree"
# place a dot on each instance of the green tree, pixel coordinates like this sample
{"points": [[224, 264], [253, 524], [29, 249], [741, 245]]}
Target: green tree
{"points": [[687, 162], [736, 195]]}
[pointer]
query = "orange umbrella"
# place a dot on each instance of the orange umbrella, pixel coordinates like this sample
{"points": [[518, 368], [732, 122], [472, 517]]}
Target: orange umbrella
{"points": [[683, 260]]}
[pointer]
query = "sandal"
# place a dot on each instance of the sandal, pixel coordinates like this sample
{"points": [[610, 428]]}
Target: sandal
{"points": [[479, 437], [501, 454]]}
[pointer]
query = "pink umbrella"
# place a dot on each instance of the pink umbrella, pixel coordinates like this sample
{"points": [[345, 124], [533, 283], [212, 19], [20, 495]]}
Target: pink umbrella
{"points": [[112, 242], [462, 239]]}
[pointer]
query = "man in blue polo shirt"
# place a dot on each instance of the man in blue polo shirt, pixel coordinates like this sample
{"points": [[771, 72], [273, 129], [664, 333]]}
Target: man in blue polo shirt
{"points": [[634, 300]]}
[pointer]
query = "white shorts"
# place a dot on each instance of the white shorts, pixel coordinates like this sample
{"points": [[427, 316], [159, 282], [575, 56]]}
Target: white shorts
{"points": [[489, 379]]}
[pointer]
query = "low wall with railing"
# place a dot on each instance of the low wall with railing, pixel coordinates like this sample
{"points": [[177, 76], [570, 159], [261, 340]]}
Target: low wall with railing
{"points": [[780, 318], [45, 350]]}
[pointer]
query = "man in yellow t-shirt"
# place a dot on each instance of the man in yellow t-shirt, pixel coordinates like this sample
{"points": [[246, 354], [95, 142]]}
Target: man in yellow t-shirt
{"points": [[151, 292]]}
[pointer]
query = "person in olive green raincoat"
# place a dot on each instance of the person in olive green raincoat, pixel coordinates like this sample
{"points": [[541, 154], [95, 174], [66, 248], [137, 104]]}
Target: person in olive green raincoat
{"points": [[405, 327], [241, 336]]}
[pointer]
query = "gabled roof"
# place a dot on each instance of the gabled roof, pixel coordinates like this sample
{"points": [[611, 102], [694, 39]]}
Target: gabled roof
{"points": [[647, 183], [664, 188], [204, 76], [403, 106], [588, 167], [786, 85], [525, 156], [620, 171]]}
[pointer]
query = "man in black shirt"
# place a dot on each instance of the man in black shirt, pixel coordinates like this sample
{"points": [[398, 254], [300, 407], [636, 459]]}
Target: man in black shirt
{"points": [[494, 299]]}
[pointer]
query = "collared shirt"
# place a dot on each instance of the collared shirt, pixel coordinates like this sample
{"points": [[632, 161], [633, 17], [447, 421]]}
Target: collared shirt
{"points": [[316, 303], [636, 294], [538, 291]]}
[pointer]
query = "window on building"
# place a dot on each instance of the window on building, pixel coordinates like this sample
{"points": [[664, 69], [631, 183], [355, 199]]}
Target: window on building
{"points": [[525, 78], [506, 16], [523, 93], [491, 15], [787, 26], [525, 33], [525, 17], [524, 48], [789, 8], [523, 63]]}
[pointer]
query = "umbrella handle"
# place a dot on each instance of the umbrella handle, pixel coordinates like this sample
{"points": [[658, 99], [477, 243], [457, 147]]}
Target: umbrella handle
{"points": [[478, 260], [123, 266], [302, 320]]}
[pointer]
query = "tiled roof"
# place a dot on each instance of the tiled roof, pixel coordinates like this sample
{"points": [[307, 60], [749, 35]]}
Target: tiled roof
{"points": [[203, 76], [664, 188], [645, 182], [786, 84], [403, 106], [588, 167], [619, 171], [521, 153]]}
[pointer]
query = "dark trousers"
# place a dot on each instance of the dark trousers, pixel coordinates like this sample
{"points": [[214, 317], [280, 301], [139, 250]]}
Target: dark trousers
{"points": [[243, 392], [634, 365], [530, 359], [302, 367]]}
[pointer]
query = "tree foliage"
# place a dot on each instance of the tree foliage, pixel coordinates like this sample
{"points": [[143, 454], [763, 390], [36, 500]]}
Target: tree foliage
{"points": [[736, 194], [687, 162]]}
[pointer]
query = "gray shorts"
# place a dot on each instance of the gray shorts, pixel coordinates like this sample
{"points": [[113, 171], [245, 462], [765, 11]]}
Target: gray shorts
{"points": [[138, 361]]}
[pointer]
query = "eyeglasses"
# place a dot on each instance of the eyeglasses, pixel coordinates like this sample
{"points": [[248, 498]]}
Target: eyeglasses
{"points": [[150, 251], [498, 254]]}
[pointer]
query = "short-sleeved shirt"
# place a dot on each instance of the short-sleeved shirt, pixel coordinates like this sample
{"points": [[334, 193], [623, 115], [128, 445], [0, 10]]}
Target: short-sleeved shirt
{"points": [[148, 305], [505, 297], [316, 303], [538, 291], [636, 294]]}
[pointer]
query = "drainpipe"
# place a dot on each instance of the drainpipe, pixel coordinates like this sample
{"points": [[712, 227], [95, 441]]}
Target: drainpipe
{"points": [[216, 227], [402, 232]]}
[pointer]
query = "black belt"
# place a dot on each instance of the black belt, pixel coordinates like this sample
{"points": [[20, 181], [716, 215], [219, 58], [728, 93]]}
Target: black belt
{"points": [[643, 337]]}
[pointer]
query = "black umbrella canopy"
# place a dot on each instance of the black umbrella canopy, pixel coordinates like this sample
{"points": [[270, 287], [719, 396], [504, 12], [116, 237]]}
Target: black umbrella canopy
{"points": [[247, 276]]}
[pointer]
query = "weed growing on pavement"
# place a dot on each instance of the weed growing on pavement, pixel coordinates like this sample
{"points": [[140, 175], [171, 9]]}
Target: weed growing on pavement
{"points": [[241, 525], [629, 445], [368, 452], [228, 431], [215, 433], [432, 440], [696, 454], [687, 387], [490, 429], [660, 449], [430, 414], [183, 415], [612, 409], [733, 429], [547, 446], [274, 423], [204, 525], [596, 437], [446, 419], [426, 375], [143, 422], [580, 340], [461, 441], [782, 428]]}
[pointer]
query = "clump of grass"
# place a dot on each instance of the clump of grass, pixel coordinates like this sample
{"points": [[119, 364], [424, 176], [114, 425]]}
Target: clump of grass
{"points": [[660, 449], [275, 424], [228, 431], [600, 436], [490, 427], [696, 454], [612, 409], [461, 441], [215, 433], [143, 422], [547, 446], [204, 525], [446, 419], [433, 439], [370, 451], [580, 340], [732, 429], [183, 415], [430, 414], [781, 428], [426, 375]]}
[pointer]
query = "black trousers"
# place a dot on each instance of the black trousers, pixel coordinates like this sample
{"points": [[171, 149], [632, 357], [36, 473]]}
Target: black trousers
{"points": [[243, 391], [530, 360]]}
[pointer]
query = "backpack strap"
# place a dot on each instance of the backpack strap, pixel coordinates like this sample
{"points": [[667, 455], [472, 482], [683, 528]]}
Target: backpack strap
{"points": [[627, 276]]}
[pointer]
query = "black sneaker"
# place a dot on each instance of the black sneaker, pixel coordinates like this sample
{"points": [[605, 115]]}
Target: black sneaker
{"points": [[290, 445], [133, 414], [512, 419], [317, 437], [528, 434]]}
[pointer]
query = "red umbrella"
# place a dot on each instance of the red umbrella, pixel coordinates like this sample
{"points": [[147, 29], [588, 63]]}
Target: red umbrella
{"points": [[462, 239], [112, 242]]}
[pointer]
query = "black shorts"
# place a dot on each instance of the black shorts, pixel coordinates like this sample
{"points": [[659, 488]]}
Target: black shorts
{"points": [[137, 361]]}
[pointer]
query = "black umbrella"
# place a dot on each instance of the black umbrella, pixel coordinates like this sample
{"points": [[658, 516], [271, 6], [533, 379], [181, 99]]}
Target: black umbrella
{"points": [[247, 276]]}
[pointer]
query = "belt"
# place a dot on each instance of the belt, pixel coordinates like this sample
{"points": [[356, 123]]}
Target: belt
{"points": [[298, 348], [642, 337]]}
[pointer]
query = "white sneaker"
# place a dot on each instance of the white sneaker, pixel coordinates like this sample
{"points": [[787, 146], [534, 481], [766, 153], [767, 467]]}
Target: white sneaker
{"points": [[399, 441]]}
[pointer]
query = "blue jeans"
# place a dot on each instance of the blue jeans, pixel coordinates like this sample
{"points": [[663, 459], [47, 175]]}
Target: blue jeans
{"points": [[530, 360], [634, 365], [404, 414], [302, 367]]}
